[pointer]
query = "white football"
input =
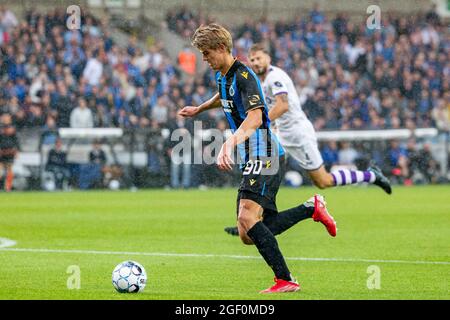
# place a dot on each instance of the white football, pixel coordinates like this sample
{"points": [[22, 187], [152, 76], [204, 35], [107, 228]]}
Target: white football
{"points": [[293, 179], [129, 277]]}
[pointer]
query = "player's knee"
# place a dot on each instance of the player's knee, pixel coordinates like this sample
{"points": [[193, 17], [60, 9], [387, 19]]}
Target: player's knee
{"points": [[244, 219], [246, 216]]}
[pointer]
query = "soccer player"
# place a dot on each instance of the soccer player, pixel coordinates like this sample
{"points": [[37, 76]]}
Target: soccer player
{"points": [[9, 146], [295, 131], [242, 100]]}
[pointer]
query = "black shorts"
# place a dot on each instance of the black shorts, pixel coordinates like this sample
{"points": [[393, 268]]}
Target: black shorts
{"points": [[261, 186]]}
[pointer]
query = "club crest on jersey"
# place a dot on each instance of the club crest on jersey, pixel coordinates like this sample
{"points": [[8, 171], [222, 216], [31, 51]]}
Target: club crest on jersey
{"points": [[231, 91], [244, 74]]}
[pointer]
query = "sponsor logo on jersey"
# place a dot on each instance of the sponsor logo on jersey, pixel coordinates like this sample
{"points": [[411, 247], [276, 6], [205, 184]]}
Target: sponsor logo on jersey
{"points": [[254, 100], [244, 74], [252, 181], [278, 84], [227, 105]]}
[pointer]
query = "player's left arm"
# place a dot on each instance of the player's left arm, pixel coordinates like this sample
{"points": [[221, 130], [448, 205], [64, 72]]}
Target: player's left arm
{"points": [[281, 106], [279, 89]]}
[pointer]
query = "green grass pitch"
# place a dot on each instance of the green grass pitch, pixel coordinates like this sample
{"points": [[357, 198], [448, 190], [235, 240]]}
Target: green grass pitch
{"points": [[178, 237]]}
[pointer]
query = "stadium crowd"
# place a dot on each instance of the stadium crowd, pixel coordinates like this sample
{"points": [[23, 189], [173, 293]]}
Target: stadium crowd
{"points": [[348, 77]]}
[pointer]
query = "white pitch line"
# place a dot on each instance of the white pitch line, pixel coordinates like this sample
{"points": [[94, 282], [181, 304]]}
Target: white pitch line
{"points": [[5, 243], [197, 255]]}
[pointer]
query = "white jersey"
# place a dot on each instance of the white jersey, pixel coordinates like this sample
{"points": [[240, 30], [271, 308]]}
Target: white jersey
{"points": [[293, 128]]}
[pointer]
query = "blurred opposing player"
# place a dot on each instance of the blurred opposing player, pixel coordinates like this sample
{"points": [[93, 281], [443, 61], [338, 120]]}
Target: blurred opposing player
{"points": [[295, 131], [243, 103]]}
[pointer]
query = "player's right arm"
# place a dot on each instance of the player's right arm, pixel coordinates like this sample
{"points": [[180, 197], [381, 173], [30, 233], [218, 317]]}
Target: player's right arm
{"points": [[191, 111], [281, 106], [279, 89]]}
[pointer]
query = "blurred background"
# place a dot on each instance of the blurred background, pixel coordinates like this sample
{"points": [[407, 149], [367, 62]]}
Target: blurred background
{"points": [[89, 91]]}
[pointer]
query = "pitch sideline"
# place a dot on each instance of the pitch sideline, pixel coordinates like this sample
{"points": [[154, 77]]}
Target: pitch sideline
{"points": [[5, 245]]}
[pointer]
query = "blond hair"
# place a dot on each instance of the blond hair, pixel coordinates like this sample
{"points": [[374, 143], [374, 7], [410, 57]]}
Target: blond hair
{"points": [[211, 37]]}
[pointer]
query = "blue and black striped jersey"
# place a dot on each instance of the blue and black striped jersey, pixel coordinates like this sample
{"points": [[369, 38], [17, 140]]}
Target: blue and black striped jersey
{"points": [[240, 91]]}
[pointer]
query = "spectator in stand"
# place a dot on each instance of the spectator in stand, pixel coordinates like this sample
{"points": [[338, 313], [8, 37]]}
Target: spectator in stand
{"points": [[184, 21], [441, 115], [330, 154], [97, 155], [91, 174], [397, 161], [422, 166], [160, 112], [347, 155], [57, 165], [156, 165], [62, 106], [81, 116], [180, 160], [93, 70], [8, 19], [50, 131], [427, 165], [187, 60]]}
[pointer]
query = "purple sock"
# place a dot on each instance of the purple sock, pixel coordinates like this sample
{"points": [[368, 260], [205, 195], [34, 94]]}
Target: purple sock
{"points": [[346, 176]]}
